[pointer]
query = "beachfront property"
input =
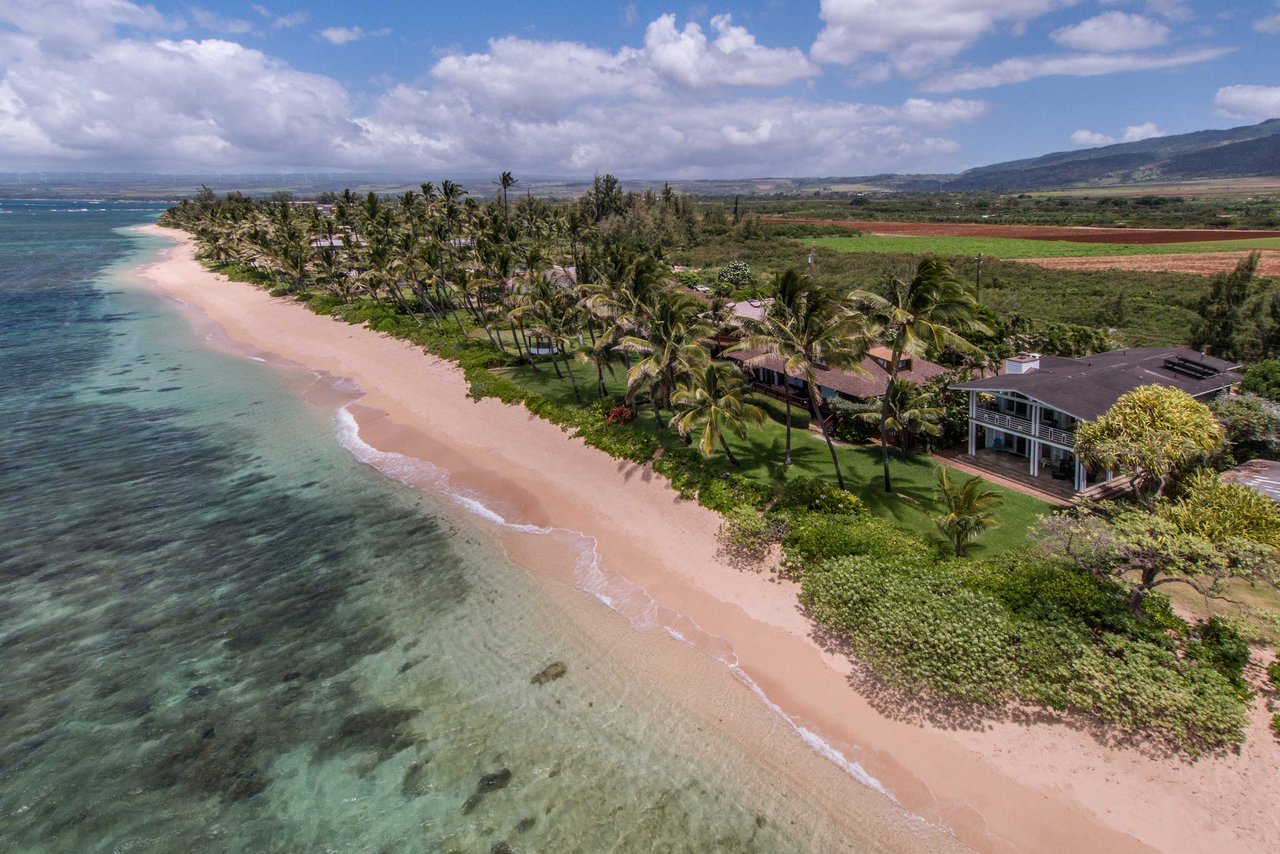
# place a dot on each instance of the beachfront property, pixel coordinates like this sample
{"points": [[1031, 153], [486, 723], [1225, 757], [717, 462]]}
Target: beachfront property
{"points": [[1031, 409], [768, 373]]}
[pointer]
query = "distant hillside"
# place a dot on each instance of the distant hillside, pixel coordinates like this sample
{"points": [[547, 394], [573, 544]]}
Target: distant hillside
{"points": [[1243, 152], [1252, 151]]}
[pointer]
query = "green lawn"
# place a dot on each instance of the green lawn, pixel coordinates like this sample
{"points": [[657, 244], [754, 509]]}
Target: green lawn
{"points": [[912, 503], [1008, 247]]}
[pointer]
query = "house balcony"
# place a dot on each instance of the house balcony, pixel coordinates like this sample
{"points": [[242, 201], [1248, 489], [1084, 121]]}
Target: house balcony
{"points": [[1023, 427]]}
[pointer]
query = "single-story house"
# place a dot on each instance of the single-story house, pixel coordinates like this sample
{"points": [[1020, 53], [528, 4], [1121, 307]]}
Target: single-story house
{"points": [[768, 375], [1032, 409]]}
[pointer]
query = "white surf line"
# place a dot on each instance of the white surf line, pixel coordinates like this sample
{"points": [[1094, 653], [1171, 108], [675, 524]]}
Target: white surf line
{"points": [[617, 593]]}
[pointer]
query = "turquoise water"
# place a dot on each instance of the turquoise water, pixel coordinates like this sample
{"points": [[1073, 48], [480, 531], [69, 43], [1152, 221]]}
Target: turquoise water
{"points": [[220, 632]]}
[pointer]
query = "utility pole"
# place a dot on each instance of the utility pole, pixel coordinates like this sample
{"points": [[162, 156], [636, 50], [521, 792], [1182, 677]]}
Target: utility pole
{"points": [[977, 278]]}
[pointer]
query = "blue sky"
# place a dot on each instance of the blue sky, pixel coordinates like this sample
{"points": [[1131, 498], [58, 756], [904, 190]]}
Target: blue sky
{"points": [[736, 89]]}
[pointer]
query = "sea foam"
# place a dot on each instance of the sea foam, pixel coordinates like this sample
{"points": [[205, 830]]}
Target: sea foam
{"points": [[620, 594]]}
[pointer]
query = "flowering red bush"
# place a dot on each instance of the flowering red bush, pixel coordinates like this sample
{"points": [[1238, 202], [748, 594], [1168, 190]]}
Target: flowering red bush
{"points": [[620, 414]]}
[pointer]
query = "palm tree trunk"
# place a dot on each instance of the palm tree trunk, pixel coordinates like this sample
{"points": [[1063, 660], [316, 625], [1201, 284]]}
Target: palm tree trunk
{"points": [[786, 396], [733, 461], [604, 390], [573, 379], [813, 401], [884, 417]]}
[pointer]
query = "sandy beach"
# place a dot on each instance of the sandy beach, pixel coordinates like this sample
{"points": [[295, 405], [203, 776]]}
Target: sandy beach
{"points": [[1009, 785]]}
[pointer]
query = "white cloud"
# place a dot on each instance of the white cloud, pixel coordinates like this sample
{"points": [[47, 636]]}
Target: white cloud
{"points": [[537, 76], [346, 35], [136, 103], [1269, 25], [1173, 10], [687, 58], [1091, 138], [1112, 31], [122, 94], [681, 138], [1146, 130], [282, 22], [915, 35], [1248, 102], [1132, 133], [1020, 69], [212, 21], [527, 76]]}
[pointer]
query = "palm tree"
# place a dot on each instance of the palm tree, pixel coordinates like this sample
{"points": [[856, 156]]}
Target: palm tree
{"points": [[671, 347], [820, 332], [775, 325], [914, 317], [506, 181], [969, 510], [912, 410], [714, 401]]}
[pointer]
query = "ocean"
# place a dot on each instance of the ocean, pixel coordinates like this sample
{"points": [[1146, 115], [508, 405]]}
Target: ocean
{"points": [[222, 629]]}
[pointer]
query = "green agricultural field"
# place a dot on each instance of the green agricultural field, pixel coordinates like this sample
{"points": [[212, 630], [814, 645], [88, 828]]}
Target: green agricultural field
{"points": [[1009, 247]]}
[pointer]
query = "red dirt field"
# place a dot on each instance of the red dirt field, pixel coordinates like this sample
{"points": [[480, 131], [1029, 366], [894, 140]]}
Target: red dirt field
{"points": [[1200, 263], [1075, 234]]}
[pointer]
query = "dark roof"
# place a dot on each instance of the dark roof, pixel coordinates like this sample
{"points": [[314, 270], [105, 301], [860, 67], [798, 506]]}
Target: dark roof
{"points": [[1089, 386], [872, 384]]}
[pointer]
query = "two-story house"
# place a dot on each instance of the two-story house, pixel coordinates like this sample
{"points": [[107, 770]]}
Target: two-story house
{"points": [[1032, 409]]}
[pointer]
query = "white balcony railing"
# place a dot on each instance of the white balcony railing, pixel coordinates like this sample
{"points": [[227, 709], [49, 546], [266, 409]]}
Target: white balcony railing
{"points": [[1022, 426], [1053, 434], [1004, 422]]}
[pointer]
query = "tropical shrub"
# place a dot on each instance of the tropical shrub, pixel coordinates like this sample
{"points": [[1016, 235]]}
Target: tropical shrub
{"points": [[1251, 424], [1216, 643], [745, 533], [855, 423], [1263, 379], [620, 414], [814, 538], [813, 495], [736, 274], [1218, 511], [1044, 590], [1140, 686], [918, 628], [922, 627]]}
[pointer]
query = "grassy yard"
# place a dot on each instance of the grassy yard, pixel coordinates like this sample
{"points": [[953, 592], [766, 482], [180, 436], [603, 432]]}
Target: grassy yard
{"points": [[1008, 247], [912, 503]]}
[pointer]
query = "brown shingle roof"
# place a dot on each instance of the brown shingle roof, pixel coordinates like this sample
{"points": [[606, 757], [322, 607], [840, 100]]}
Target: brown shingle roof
{"points": [[872, 384]]}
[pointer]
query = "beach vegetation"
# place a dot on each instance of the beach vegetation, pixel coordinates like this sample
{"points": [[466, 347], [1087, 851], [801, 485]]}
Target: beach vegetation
{"points": [[530, 297], [714, 402], [971, 510], [1144, 550], [1150, 434], [916, 316], [811, 329]]}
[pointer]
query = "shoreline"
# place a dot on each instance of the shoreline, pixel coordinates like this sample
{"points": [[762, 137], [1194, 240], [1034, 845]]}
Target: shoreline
{"points": [[1004, 786]]}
